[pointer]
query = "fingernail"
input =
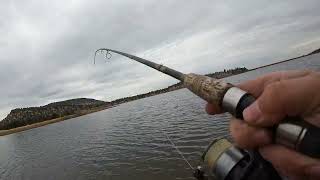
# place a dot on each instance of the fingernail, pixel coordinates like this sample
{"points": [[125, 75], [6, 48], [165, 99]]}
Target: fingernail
{"points": [[314, 172], [252, 113]]}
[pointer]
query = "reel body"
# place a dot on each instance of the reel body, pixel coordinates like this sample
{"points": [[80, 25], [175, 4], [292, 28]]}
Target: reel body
{"points": [[223, 161]]}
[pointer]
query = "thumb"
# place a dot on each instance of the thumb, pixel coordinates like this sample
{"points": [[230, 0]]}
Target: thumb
{"points": [[290, 97]]}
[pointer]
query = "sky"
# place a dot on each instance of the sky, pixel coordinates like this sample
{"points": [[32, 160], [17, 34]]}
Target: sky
{"points": [[47, 47]]}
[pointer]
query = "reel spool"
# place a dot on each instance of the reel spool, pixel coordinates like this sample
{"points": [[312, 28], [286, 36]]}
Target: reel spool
{"points": [[223, 161]]}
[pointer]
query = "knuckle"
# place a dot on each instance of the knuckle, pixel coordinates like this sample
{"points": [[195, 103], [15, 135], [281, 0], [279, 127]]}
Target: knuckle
{"points": [[272, 93], [276, 91], [276, 87], [240, 133], [233, 128]]}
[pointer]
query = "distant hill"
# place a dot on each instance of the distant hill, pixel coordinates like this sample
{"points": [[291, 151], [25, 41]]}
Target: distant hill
{"points": [[24, 116], [77, 102]]}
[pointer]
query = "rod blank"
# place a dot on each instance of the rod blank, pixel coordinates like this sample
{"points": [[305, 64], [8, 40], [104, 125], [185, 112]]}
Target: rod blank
{"points": [[171, 72]]}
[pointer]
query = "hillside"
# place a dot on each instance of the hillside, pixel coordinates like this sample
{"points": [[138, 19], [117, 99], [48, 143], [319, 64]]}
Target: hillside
{"points": [[24, 116]]}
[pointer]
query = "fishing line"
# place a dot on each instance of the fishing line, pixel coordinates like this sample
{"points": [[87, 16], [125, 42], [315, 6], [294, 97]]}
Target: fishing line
{"points": [[179, 152]]}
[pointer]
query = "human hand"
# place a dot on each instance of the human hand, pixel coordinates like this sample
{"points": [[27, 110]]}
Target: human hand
{"points": [[279, 94]]}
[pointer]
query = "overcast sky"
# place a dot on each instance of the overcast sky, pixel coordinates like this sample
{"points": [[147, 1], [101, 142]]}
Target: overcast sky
{"points": [[47, 47]]}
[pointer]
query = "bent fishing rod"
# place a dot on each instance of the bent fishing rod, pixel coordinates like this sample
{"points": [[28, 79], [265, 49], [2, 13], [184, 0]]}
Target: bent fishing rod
{"points": [[293, 132]]}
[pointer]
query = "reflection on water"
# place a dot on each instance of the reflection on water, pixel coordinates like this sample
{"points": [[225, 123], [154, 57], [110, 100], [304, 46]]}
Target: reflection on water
{"points": [[125, 142]]}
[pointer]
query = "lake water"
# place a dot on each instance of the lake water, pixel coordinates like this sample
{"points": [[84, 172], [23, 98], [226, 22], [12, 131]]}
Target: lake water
{"points": [[127, 141]]}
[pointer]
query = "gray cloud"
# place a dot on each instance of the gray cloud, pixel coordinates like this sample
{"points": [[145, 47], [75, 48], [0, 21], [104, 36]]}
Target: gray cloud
{"points": [[47, 46]]}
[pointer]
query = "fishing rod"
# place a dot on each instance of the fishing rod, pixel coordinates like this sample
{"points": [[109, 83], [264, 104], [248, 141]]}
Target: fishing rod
{"points": [[293, 132]]}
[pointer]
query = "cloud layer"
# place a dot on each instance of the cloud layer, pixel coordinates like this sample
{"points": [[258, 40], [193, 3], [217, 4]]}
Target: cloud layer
{"points": [[47, 46]]}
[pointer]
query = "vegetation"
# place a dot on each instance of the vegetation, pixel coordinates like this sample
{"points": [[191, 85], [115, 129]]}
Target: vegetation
{"points": [[26, 116]]}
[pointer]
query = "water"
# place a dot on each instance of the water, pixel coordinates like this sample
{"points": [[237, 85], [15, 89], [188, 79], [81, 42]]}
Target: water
{"points": [[125, 142]]}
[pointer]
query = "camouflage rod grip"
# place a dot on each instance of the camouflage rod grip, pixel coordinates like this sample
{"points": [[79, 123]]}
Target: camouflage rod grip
{"points": [[210, 89]]}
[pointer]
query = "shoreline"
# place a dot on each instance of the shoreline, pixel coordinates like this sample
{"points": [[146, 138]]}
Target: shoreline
{"points": [[85, 112], [291, 59]]}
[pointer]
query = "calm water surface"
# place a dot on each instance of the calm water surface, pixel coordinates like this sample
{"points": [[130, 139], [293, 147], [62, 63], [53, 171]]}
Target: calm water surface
{"points": [[125, 142]]}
